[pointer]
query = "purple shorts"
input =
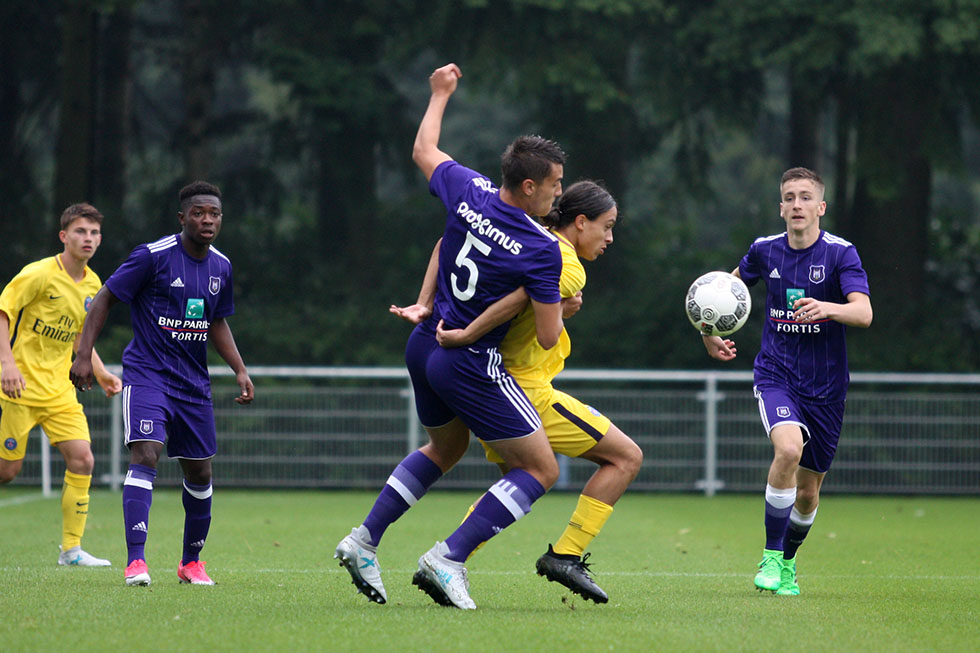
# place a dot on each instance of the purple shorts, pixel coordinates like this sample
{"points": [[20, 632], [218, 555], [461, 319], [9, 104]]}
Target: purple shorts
{"points": [[469, 383], [820, 423], [186, 428]]}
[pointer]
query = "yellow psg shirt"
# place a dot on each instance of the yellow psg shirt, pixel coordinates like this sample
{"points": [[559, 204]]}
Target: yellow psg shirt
{"points": [[46, 310], [525, 359]]}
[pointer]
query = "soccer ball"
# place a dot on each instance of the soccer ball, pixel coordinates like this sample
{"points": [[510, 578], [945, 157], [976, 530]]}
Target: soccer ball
{"points": [[718, 304]]}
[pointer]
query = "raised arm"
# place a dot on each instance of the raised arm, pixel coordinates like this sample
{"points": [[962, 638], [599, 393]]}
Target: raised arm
{"points": [[81, 373], [219, 333], [426, 153]]}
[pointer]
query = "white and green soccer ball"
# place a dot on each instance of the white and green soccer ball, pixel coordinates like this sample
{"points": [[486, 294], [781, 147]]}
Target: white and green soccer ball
{"points": [[718, 304]]}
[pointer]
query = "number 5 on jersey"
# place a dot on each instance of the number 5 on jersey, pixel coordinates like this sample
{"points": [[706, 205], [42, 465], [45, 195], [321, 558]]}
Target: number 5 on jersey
{"points": [[463, 261]]}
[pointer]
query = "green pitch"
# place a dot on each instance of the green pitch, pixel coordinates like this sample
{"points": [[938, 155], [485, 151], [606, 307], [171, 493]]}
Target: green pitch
{"points": [[884, 574]]}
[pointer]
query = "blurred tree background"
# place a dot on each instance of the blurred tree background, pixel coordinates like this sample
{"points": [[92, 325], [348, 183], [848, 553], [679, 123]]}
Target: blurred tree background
{"points": [[304, 113]]}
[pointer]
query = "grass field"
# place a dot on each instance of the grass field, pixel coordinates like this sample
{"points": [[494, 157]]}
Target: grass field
{"points": [[877, 574]]}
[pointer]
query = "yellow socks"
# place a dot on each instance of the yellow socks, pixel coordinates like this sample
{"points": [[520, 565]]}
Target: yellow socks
{"points": [[586, 522], [74, 509]]}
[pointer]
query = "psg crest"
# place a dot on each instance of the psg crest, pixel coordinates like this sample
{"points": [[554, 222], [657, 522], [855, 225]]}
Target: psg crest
{"points": [[214, 283], [817, 273]]}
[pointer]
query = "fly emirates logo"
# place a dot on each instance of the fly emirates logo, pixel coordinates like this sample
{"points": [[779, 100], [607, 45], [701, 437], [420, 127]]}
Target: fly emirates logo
{"points": [[194, 330]]}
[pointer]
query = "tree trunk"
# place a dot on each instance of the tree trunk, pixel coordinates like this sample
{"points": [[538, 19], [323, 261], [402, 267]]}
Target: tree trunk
{"points": [[804, 124], [893, 183], [112, 128], [347, 199], [74, 150], [197, 68]]}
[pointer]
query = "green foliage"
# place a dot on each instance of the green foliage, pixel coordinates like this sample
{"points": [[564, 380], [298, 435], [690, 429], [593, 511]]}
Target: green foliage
{"points": [[685, 109]]}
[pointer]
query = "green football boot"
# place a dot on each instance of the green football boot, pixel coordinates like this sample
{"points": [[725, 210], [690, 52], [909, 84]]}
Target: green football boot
{"points": [[769, 575], [787, 579]]}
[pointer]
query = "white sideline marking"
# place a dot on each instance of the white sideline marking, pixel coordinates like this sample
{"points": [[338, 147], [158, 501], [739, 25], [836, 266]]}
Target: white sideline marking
{"points": [[16, 501], [661, 574]]}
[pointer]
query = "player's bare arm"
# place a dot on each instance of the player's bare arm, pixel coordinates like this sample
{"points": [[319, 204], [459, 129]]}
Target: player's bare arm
{"points": [[219, 333], [422, 308], [110, 383], [82, 374], [426, 153], [11, 381], [719, 348], [856, 312], [548, 323], [503, 310]]}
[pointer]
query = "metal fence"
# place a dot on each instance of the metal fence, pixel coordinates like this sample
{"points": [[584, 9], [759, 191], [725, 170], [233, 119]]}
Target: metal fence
{"points": [[699, 431]]}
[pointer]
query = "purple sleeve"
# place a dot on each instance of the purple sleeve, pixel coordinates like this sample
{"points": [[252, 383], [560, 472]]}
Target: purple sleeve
{"points": [[126, 282], [853, 278], [543, 276], [449, 181], [748, 268], [226, 301]]}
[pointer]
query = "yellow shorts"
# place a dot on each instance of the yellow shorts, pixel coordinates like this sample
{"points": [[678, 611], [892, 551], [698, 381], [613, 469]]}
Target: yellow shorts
{"points": [[66, 421], [572, 427]]}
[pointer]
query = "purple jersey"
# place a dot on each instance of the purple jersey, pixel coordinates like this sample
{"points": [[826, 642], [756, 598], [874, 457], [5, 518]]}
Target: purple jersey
{"points": [[809, 359], [489, 249], [174, 298]]}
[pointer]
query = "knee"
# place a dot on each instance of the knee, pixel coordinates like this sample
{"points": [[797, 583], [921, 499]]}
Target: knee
{"points": [[632, 459], [788, 454], [445, 454], [81, 463], [9, 470], [145, 456], [806, 500], [199, 476], [546, 473]]}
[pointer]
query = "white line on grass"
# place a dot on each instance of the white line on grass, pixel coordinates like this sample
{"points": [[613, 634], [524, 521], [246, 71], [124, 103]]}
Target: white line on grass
{"points": [[25, 498], [662, 574], [665, 574]]}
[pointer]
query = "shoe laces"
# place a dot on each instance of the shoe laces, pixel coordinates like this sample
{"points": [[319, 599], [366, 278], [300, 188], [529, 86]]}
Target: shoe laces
{"points": [[586, 566]]}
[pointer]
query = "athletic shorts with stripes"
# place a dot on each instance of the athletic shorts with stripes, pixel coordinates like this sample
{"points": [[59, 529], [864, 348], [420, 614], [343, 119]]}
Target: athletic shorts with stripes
{"points": [[186, 428], [572, 426], [820, 423], [470, 383]]}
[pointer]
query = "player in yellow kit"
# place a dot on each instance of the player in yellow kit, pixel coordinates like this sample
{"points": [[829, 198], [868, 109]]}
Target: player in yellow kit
{"points": [[42, 311], [583, 220]]}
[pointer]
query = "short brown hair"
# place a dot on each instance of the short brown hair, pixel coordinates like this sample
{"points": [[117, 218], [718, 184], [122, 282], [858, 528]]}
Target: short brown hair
{"points": [[802, 173], [80, 210]]}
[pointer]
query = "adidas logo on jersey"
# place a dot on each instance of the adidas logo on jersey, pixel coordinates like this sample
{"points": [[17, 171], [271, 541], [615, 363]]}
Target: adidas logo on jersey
{"points": [[177, 283], [140, 526], [774, 274]]}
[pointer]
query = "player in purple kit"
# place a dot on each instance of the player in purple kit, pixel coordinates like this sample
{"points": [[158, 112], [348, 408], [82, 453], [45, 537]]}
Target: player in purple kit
{"points": [[815, 287], [179, 289], [491, 246]]}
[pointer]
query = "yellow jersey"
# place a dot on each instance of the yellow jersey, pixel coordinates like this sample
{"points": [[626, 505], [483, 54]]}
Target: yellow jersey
{"points": [[46, 309], [526, 360]]}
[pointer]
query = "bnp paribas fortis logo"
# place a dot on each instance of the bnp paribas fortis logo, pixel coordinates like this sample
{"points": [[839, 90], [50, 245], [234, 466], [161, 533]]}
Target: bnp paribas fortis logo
{"points": [[195, 309]]}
